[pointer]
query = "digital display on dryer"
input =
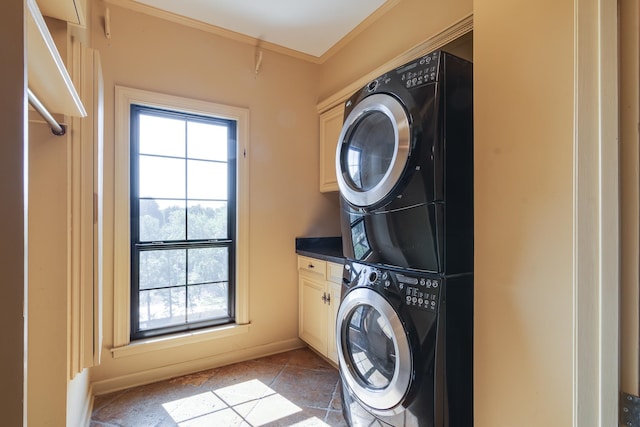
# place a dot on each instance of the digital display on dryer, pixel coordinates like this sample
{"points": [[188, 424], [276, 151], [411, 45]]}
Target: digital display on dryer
{"points": [[361, 247]]}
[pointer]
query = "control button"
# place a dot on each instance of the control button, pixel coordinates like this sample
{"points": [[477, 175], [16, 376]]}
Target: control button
{"points": [[385, 275], [401, 285], [435, 283], [420, 301], [372, 86], [414, 299], [428, 283], [387, 283], [422, 282], [433, 304], [408, 299]]}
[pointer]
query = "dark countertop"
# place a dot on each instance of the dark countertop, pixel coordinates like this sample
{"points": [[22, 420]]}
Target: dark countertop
{"points": [[324, 248]]}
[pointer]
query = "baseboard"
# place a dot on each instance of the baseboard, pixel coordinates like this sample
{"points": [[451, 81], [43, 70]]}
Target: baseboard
{"points": [[189, 367], [85, 418]]}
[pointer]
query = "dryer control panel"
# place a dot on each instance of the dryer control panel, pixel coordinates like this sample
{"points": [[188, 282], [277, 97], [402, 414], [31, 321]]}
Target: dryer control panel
{"points": [[419, 72]]}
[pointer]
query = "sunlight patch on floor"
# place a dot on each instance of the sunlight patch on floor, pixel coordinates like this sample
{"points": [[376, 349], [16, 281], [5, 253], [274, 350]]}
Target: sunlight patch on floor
{"points": [[250, 403]]}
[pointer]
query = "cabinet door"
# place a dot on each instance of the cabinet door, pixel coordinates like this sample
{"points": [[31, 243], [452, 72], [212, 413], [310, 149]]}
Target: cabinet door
{"points": [[332, 346], [330, 127], [312, 317]]}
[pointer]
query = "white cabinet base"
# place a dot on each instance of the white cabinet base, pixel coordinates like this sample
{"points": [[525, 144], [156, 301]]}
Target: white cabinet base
{"points": [[318, 297]]}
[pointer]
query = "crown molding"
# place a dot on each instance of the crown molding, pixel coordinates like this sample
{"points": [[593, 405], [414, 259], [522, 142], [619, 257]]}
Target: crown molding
{"points": [[242, 38], [212, 29], [446, 36]]}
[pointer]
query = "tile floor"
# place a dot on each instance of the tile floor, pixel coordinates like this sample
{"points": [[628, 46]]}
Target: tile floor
{"points": [[295, 388]]}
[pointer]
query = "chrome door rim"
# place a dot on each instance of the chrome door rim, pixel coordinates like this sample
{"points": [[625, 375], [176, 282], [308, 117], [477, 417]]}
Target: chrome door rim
{"points": [[389, 399], [392, 108]]}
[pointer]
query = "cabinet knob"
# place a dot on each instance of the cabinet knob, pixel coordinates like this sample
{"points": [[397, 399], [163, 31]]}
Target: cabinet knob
{"points": [[311, 266]]}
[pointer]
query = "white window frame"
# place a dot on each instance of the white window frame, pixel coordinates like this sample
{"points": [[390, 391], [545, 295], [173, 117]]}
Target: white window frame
{"points": [[124, 98]]}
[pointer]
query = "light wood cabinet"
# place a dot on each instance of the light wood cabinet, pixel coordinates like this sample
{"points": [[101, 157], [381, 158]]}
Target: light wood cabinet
{"points": [[319, 297], [330, 127]]}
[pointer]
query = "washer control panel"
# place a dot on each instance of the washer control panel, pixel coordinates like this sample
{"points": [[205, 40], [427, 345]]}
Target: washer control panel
{"points": [[419, 292], [413, 289]]}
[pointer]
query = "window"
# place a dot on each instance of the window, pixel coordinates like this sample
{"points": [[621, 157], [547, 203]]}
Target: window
{"points": [[181, 239], [182, 221]]}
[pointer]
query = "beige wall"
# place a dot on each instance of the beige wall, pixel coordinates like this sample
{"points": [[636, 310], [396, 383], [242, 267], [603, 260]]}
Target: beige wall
{"points": [[152, 54], [409, 23], [523, 212], [47, 366], [12, 194], [47, 332]]}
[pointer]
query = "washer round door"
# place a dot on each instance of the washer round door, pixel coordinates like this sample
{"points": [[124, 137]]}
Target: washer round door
{"points": [[373, 350], [373, 149]]}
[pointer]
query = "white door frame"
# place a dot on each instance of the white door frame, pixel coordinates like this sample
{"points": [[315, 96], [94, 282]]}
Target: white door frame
{"points": [[596, 214]]}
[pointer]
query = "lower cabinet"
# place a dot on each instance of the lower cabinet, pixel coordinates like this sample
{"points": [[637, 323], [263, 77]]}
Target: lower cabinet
{"points": [[319, 298]]}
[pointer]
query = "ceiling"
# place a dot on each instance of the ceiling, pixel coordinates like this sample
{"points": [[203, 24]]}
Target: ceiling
{"points": [[311, 27]]}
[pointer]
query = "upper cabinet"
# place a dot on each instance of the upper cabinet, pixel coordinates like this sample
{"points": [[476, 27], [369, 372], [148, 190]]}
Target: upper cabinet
{"points": [[73, 11], [48, 77], [330, 127]]}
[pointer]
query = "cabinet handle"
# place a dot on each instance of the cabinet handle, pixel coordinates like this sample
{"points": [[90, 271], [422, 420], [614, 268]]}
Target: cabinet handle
{"points": [[326, 298], [311, 266]]}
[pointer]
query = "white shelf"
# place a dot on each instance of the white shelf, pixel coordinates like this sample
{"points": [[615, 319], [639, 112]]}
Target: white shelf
{"points": [[66, 10], [48, 78]]}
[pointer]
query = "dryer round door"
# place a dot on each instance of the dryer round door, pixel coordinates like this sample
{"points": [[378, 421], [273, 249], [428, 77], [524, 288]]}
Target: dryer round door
{"points": [[373, 149], [373, 351]]}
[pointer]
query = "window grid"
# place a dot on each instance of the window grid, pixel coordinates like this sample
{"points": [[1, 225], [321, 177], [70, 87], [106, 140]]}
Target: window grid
{"points": [[186, 290]]}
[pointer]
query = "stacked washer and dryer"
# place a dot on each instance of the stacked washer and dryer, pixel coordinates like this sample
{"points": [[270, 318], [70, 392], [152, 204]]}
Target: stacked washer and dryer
{"points": [[405, 172]]}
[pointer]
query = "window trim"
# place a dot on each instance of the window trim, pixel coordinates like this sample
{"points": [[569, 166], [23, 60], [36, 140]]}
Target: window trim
{"points": [[124, 97]]}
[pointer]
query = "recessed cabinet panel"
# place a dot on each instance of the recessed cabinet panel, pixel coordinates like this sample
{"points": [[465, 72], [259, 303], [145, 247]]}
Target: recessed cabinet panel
{"points": [[313, 314], [330, 127]]}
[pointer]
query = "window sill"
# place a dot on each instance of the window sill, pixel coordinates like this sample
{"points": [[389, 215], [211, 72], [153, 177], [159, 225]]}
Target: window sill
{"points": [[162, 343]]}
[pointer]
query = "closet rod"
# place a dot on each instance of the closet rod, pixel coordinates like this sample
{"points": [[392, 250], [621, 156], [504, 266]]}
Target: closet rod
{"points": [[56, 128]]}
